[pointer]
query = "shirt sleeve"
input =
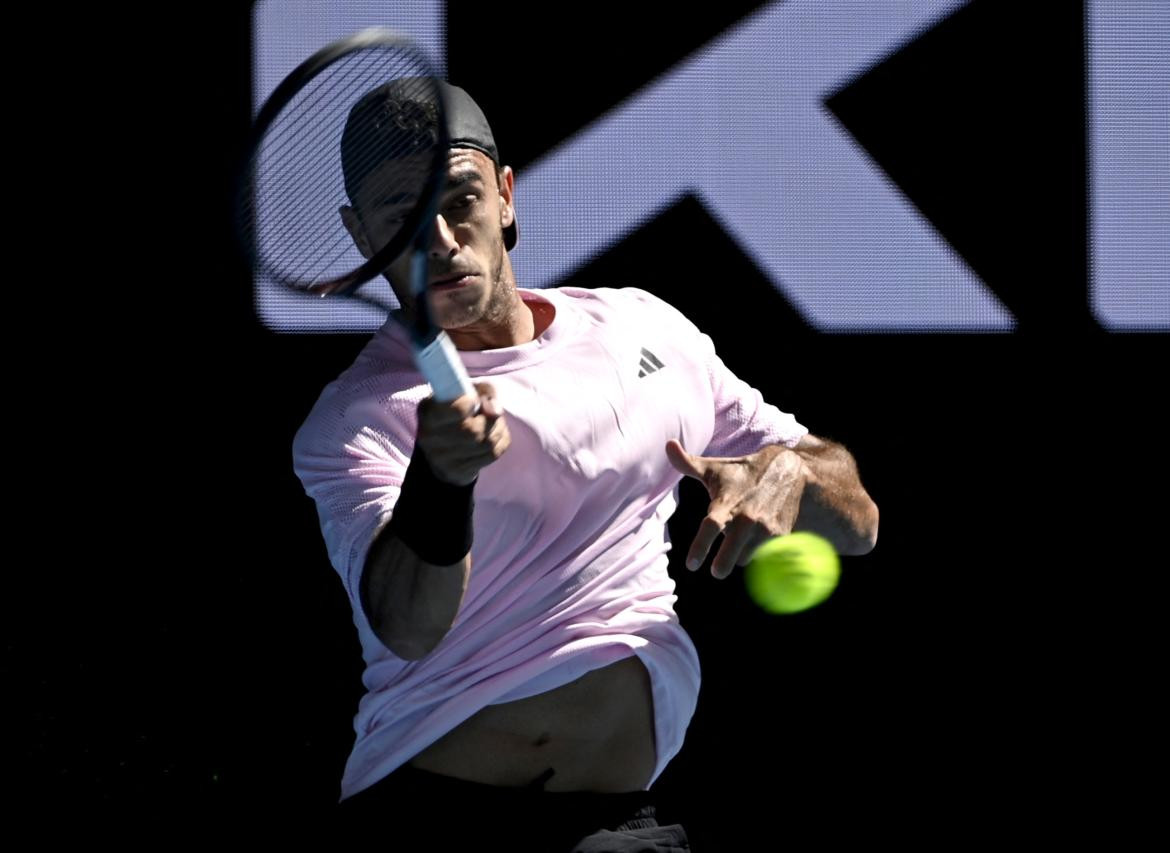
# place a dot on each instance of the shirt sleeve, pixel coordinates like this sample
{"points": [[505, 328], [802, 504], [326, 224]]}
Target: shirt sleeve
{"points": [[744, 421], [351, 463]]}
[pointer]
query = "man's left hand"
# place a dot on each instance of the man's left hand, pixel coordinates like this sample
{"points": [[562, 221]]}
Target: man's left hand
{"points": [[753, 498]]}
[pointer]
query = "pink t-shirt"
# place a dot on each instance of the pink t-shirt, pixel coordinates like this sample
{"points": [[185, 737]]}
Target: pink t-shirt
{"points": [[569, 563]]}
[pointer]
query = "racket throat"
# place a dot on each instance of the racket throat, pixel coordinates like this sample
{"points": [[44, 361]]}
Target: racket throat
{"points": [[440, 365]]}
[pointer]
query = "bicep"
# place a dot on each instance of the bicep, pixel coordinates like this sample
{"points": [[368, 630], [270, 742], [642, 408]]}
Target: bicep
{"points": [[354, 481]]}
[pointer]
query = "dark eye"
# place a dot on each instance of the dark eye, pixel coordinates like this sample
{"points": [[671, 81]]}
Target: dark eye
{"points": [[393, 215]]}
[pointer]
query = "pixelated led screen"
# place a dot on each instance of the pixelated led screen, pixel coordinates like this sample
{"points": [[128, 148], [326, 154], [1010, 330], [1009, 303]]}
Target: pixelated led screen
{"points": [[795, 191]]}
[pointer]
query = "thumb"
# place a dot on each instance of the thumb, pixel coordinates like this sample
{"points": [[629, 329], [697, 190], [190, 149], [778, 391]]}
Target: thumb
{"points": [[489, 403], [685, 463]]}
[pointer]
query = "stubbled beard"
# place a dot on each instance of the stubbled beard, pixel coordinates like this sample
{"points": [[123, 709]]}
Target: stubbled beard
{"points": [[500, 298], [496, 309]]}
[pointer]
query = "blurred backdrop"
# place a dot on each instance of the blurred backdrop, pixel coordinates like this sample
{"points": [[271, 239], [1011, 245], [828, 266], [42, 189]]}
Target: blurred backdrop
{"points": [[935, 231]]}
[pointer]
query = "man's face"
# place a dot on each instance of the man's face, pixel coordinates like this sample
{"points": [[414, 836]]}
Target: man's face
{"points": [[465, 258]]}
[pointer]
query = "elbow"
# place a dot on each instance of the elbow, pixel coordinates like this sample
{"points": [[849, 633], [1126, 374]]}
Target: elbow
{"points": [[405, 644], [870, 533], [863, 537], [402, 644], [409, 649]]}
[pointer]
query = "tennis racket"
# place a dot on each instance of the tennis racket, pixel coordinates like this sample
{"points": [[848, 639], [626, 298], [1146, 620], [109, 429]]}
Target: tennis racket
{"points": [[327, 130]]}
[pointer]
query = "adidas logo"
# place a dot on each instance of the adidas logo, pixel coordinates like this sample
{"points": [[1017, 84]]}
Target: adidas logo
{"points": [[650, 363]]}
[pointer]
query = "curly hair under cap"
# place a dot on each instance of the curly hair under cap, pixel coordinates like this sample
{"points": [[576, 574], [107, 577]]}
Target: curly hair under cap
{"points": [[399, 118], [388, 122]]}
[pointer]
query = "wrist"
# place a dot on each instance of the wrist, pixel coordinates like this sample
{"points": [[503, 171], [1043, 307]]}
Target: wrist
{"points": [[433, 517]]}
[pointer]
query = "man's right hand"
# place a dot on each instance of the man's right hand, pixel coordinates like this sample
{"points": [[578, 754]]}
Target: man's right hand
{"points": [[459, 443]]}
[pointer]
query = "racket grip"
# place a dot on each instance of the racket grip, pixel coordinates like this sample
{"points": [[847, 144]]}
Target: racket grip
{"points": [[440, 365]]}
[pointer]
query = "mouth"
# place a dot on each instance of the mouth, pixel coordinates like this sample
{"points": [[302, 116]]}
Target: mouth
{"points": [[452, 282]]}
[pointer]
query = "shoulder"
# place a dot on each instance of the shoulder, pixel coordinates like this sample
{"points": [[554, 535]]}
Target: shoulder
{"points": [[621, 296], [367, 398], [326, 415], [625, 301]]}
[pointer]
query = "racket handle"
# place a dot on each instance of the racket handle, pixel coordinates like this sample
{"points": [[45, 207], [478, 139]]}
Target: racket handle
{"points": [[441, 366]]}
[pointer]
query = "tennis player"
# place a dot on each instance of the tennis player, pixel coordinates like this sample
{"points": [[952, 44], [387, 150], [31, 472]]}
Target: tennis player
{"points": [[527, 679]]}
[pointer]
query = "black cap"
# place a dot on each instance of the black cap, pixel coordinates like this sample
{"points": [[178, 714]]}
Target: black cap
{"points": [[467, 127]]}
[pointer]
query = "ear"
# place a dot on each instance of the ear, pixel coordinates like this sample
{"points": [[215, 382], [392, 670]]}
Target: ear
{"points": [[507, 212], [353, 224]]}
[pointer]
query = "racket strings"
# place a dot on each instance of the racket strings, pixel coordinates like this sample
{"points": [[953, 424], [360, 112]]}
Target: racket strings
{"points": [[296, 143], [333, 91], [299, 185]]}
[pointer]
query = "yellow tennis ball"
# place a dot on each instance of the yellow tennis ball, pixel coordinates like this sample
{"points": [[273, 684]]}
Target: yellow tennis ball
{"points": [[791, 573]]}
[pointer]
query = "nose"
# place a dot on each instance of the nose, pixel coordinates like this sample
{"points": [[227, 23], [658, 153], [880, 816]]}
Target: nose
{"points": [[442, 239]]}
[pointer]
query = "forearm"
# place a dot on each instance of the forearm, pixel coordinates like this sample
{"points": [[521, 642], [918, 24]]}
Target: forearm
{"points": [[411, 604], [834, 504], [418, 566]]}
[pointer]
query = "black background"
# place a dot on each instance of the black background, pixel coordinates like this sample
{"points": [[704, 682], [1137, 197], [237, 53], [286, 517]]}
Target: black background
{"points": [[186, 643]]}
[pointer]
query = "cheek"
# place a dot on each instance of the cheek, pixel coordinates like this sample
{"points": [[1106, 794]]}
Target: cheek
{"points": [[399, 270], [376, 237]]}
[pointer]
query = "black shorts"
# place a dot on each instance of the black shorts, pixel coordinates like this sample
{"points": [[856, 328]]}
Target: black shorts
{"points": [[414, 809]]}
